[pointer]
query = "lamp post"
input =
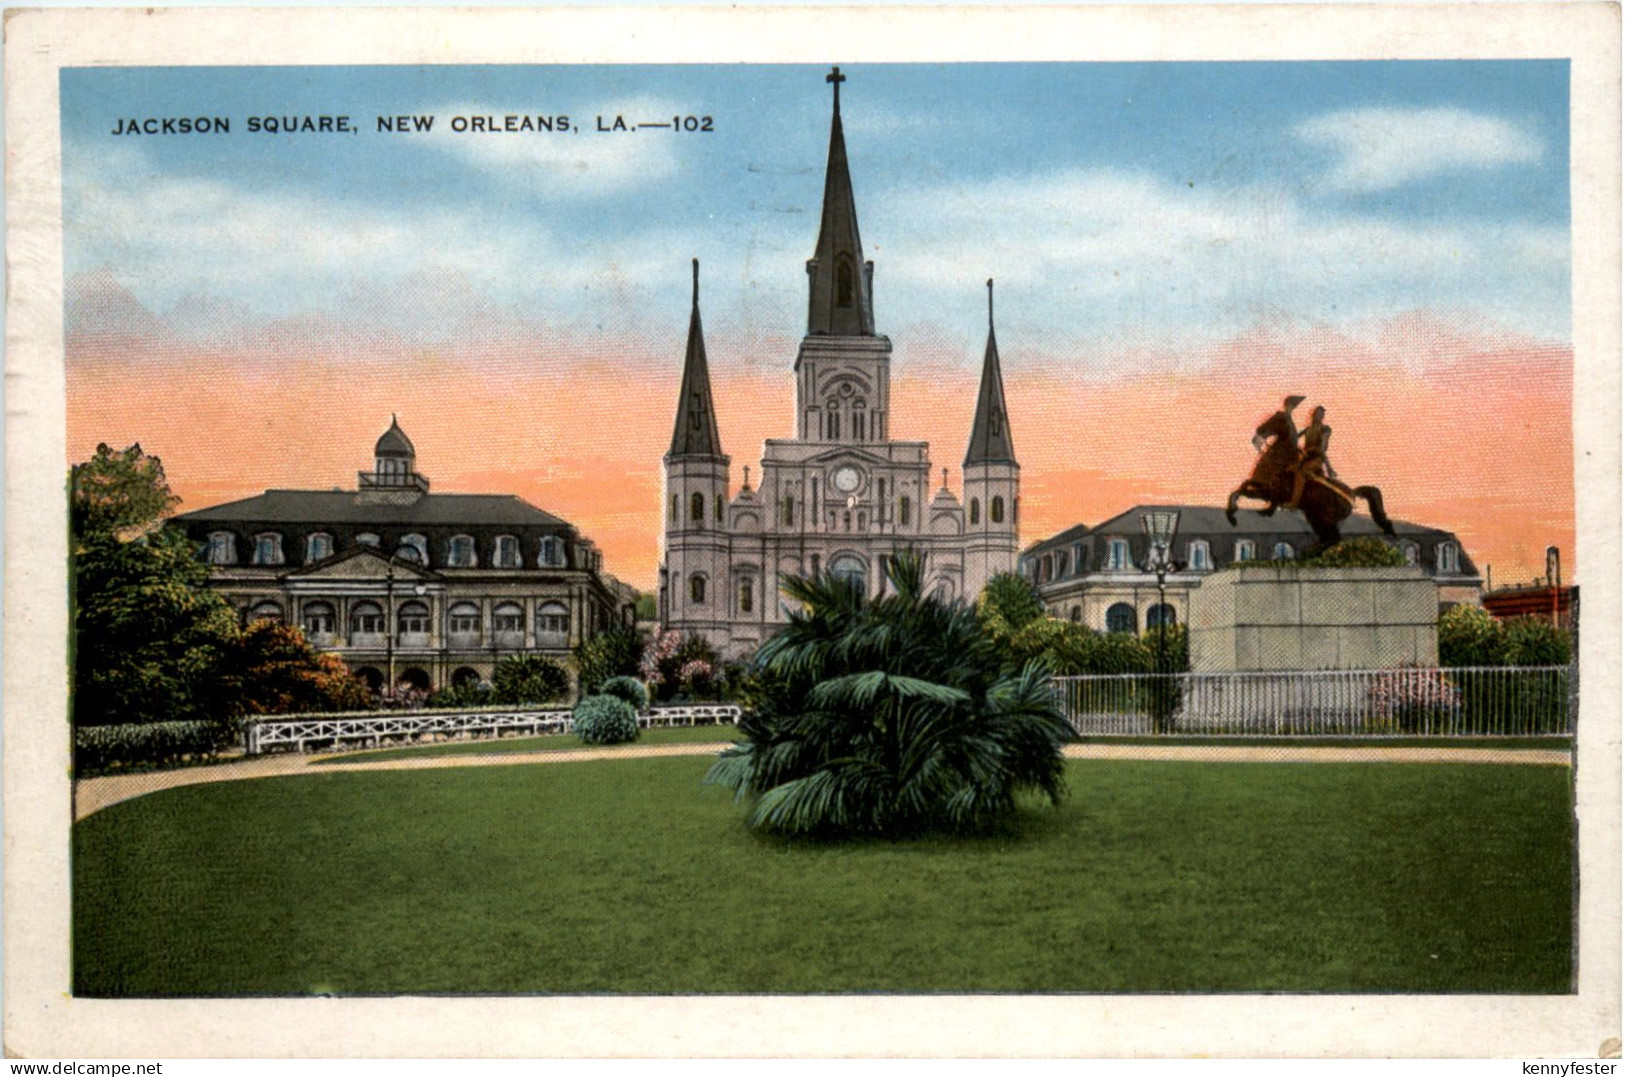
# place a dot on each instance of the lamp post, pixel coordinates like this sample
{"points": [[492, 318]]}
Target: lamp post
{"points": [[1160, 526], [389, 626]]}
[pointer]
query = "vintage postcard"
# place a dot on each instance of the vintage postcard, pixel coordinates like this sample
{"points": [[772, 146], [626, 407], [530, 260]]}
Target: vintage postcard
{"points": [[588, 532]]}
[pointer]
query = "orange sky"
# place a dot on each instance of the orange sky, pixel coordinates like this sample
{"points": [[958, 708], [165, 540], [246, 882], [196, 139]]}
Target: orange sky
{"points": [[1463, 430]]}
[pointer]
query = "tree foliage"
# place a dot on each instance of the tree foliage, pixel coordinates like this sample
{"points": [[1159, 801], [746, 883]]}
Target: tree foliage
{"points": [[615, 653], [271, 669], [1069, 649], [1365, 551], [1007, 605], [148, 633], [890, 716], [525, 679], [1471, 636]]}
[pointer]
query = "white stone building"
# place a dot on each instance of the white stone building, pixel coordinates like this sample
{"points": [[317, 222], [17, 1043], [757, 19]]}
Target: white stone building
{"points": [[843, 493]]}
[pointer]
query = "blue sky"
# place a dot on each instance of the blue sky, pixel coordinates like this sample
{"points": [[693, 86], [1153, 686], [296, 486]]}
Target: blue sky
{"points": [[1149, 202]]}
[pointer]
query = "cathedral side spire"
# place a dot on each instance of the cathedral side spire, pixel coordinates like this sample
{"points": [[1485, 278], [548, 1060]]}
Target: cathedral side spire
{"points": [[696, 429], [990, 441], [840, 282]]}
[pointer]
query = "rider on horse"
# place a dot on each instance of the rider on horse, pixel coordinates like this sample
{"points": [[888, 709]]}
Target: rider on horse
{"points": [[1314, 465], [1277, 441]]}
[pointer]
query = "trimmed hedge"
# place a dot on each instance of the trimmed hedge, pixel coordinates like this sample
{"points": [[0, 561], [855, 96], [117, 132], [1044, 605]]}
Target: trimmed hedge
{"points": [[104, 747], [605, 720], [629, 689]]}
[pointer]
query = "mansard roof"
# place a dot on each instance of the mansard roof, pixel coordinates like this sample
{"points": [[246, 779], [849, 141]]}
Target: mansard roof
{"points": [[839, 303], [695, 432], [314, 507]]}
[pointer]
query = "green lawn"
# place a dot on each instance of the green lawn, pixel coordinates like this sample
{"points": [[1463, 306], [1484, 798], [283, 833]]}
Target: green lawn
{"points": [[557, 742], [627, 876], [1556, 744]]}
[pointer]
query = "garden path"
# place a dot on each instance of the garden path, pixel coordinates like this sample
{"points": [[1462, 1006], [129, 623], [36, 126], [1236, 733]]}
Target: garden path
{"points": [[94, 794]]}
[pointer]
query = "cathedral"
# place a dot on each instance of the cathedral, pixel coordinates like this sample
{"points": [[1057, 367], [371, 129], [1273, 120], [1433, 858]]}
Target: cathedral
{"points": [[843, 493]]}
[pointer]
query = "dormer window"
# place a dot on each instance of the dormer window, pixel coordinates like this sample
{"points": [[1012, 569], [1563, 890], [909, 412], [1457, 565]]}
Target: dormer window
{"points": [[461, 552], [1448, 557], [552, 552], [318, 547], [1245, 551], [1117, 558], [1413, 555], [367, 538], [1200, 557], [268, 549], [413, 548], [507, 552], [222, 548], [1284, 552]]}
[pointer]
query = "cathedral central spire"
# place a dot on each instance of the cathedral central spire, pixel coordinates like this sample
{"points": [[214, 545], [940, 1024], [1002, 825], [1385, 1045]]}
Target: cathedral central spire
{"points": [[840, 282]]}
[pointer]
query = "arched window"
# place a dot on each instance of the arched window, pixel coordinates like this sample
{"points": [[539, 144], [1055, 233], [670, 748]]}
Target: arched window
{"points": [[461, 553], [789, 512], [1199, 557], [815, 565], [465, 677], [412, 622], [367, 538], [463, 621], [508, 622], [268, 549], [696, 507], [1077, 614], [552, 624], [673, 508], [266, 611], [552, 552], [851, 569], [843, 283], [1283, 551], [696, 589], [717, 501], [1413, 553], [1117, 558], [1160, 614], [318, 547], [507, 552], [747, 596], [857, 425], [1244, 550], [222, 548], [975, 511], [413, 548], [905, 510], [1448, 557], [318, 620], [846, 519], [366, 619], [995, 510], [1120, 618]]}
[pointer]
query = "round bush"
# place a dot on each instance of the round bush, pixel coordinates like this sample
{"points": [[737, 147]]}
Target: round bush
{"points": [[605, 720], [629, 689]]}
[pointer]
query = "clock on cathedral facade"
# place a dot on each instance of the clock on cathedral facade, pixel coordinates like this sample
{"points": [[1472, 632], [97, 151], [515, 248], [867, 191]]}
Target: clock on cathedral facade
{"points": [[843, 493]]}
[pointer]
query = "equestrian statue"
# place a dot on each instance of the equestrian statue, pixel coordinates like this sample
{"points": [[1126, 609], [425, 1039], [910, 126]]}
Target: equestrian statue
{"points": [[1286, 476]]}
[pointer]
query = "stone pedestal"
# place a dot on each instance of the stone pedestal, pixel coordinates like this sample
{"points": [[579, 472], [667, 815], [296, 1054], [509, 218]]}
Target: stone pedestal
{"points": [[1280, 617]]}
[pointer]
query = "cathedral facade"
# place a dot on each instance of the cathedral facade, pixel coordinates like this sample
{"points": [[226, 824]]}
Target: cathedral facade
{"points": [[843, 493]]}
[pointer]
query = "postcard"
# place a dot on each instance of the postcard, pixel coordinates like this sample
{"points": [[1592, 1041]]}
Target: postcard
{"points": [[949, 532]]}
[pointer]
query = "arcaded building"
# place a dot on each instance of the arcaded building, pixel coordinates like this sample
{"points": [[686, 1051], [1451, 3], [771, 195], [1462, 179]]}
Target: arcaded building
{"points": [[410, 587]]}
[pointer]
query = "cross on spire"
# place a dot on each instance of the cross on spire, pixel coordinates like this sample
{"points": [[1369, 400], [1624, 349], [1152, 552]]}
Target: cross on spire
{"points": [[835, 78], [990, 302], [696, 282]]}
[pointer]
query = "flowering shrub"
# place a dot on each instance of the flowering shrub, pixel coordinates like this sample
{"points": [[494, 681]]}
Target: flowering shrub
{"points": [[399, 698], [673, 664], [1415, 700], [605, 720]]}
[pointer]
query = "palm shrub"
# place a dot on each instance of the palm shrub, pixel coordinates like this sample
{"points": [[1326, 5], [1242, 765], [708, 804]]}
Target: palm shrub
{"points": [[605, 720], [629, 689], [890, 716], [525, 679]]}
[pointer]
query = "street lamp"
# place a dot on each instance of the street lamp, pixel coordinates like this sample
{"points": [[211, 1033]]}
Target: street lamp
{"points": [[389, 626], [1160, 526]]}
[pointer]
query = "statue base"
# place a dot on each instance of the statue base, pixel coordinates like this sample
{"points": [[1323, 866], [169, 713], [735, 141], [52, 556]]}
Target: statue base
{"points": [[1281, 617]]}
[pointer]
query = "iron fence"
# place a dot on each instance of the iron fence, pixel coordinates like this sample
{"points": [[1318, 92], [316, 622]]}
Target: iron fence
{"points": [[314, 732], [1522, 701]]}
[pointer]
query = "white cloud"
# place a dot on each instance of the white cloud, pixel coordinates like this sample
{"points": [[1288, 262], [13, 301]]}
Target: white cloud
{"points": [[1381, 148], [1096, 250]]}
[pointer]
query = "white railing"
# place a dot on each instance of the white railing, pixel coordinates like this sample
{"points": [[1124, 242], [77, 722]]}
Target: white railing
{"points": [[314, 732], [1523, 701]]}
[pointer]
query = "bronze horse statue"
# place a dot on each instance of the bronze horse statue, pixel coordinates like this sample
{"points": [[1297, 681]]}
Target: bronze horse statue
{"points": [[1325, 502]]}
